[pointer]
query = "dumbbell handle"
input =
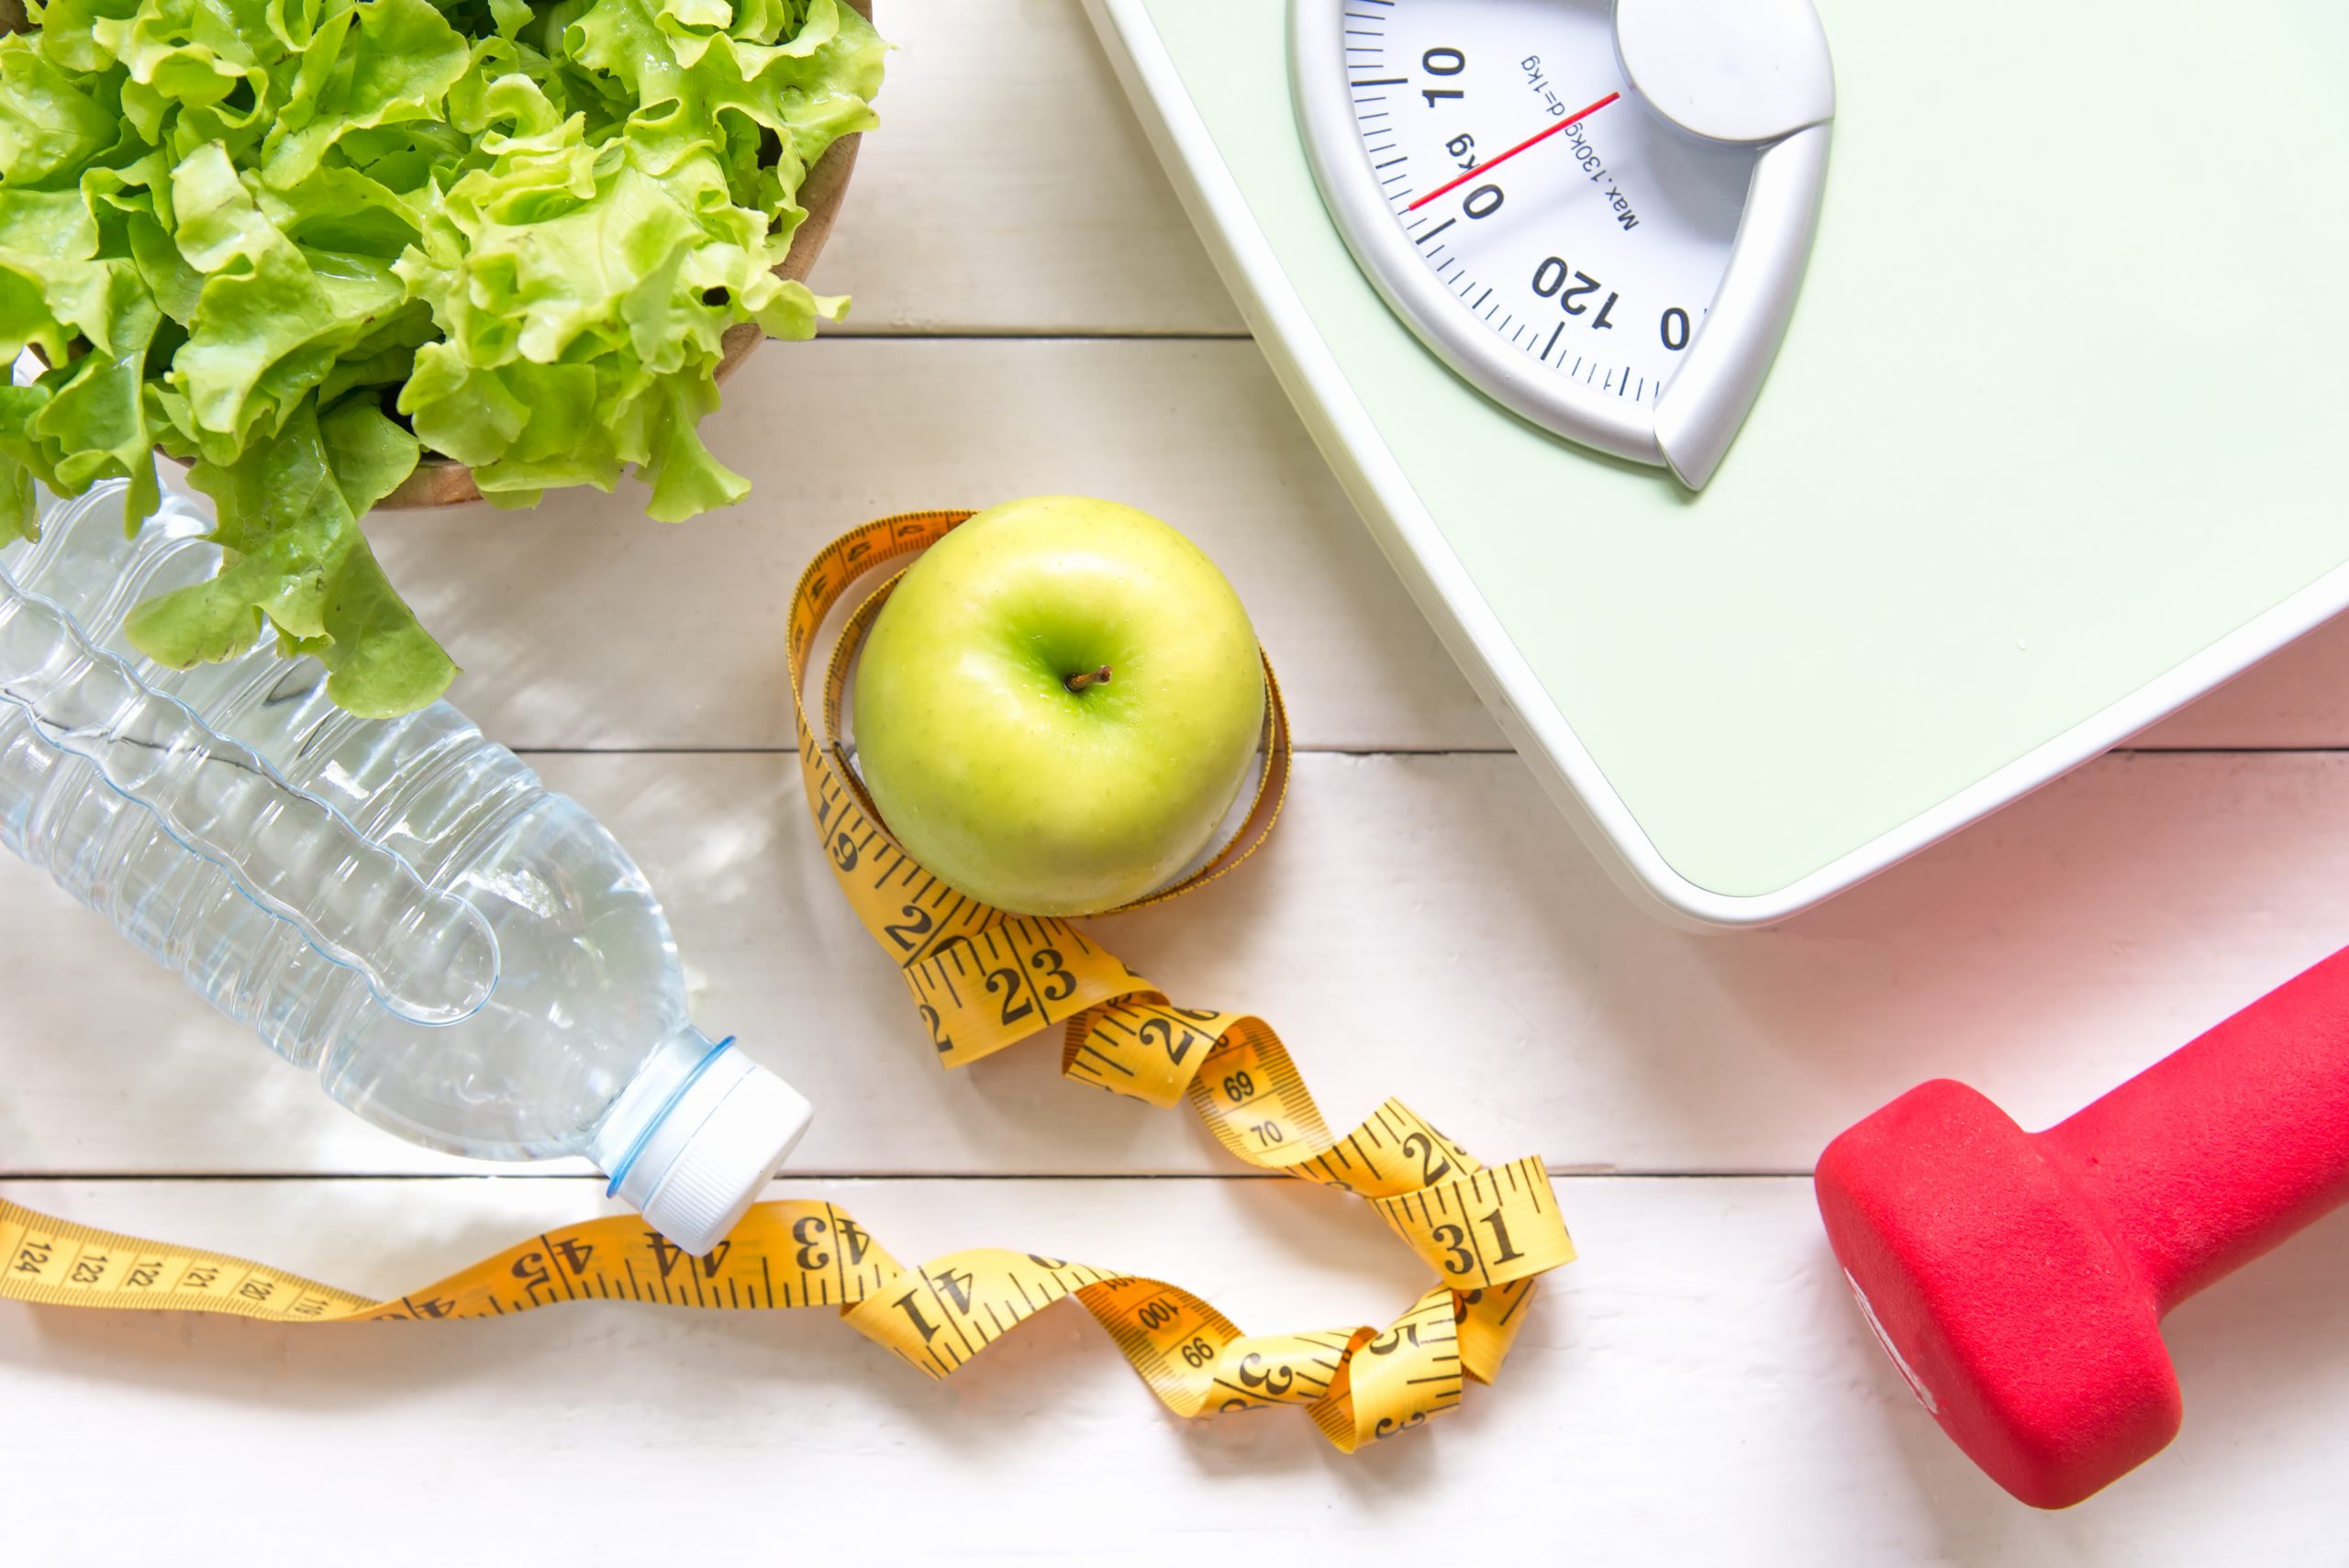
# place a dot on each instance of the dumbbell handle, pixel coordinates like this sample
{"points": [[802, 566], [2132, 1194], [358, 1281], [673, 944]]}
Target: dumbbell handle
{"points": [[2223, 1149]]}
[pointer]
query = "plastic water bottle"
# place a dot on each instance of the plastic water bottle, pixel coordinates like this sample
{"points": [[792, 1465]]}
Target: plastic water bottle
{"points": [[464, 958]]}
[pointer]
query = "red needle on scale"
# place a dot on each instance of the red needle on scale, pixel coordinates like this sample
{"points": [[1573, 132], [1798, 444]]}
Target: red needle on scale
{"points": [[1498, 159]]}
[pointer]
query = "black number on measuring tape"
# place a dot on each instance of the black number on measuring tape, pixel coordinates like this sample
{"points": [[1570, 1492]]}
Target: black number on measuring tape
{"points": [[1047, 962], [808, 1231], [1389, 1425], [198, 1278], [844, 851], [1197, 1353], [1005, 982], [1043, 1261], [1453, 1240], [32, 1257], [1276, 1382], [1490, 198], [909, 932], [938, 1035], [530, 1268], [853, 1238], [1268, 1133], [256, 1290], [1175, 1043], [1394, 1340], [143, 1275], [1156, 1314], [667, 1254], [1238, 1086], [574, 1255], [957, 1285], [1507, 1254], [89, 1268], [906, 1303], [1433, 1166]]}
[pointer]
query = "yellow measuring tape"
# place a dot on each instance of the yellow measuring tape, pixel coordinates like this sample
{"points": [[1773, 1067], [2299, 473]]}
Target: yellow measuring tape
{"points": [[980, 980]]}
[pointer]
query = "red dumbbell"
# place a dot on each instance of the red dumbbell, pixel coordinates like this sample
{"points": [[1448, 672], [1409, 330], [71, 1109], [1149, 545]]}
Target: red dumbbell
{"points": [[2019, 1279]]}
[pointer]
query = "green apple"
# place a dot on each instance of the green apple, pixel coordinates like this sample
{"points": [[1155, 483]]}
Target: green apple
{"points": [[1059, 704]]}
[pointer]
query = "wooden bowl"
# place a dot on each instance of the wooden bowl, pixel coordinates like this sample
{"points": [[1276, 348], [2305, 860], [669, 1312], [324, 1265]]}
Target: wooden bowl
{"points": [[444, 482]]}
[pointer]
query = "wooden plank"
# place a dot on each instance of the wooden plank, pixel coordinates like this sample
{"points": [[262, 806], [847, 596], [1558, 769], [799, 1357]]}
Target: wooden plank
{"points": [[1421, 925], [583, 625], [1009, 189], [1697, 1389]]}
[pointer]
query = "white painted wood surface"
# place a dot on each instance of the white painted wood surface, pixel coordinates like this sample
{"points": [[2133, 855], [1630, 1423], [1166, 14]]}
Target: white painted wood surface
{"points": [[1034, 314]]}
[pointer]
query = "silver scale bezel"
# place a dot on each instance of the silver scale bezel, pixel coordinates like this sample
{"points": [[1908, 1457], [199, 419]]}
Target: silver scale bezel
{"points": [[1689, 428]]}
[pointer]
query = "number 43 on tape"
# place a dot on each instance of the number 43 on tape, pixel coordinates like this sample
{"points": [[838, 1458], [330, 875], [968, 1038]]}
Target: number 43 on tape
{"points": [[981, 979]]}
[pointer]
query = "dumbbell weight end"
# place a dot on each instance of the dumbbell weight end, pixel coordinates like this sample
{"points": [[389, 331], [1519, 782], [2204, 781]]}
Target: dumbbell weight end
{"points": [[2018, 1281]]}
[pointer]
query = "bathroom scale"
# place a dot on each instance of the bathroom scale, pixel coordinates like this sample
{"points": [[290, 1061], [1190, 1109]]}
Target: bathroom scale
{"points": [[1810, 428]]}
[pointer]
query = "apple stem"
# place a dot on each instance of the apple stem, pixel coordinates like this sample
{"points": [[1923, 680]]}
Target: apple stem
{"points": [[1085, 678]]}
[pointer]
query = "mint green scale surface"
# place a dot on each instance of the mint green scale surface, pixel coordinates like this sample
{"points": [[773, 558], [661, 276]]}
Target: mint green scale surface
{"points": [[2060, 406]]}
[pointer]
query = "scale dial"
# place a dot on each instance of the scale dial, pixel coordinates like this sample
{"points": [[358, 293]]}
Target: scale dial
{"points": [[1595, 211]]}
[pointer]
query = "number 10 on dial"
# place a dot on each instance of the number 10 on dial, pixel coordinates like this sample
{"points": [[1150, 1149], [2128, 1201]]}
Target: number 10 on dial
{"points": [[1596, 213]]}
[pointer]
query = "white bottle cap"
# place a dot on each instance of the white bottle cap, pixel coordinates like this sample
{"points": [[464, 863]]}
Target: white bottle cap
{"points": [[703, 1164]]}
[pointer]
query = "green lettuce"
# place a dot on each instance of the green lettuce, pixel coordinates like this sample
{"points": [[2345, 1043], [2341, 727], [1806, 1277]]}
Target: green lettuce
{"points": [[297, 243]]}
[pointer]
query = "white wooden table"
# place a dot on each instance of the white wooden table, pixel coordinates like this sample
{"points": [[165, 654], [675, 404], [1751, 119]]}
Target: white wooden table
{"points": [[1034, 314]]}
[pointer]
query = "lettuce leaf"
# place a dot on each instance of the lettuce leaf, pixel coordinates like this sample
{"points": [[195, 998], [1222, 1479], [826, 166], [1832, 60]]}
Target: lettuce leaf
{"points": [[299, 242], [290, 510]]}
